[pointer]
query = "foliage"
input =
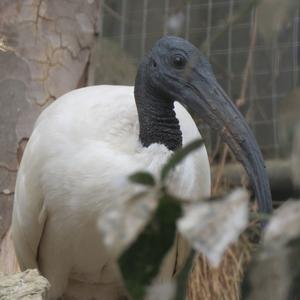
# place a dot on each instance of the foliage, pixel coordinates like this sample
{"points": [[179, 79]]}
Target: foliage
{"points": [[183, 278], [274, 272], [144, 178], [140, 262], [178, 156]]}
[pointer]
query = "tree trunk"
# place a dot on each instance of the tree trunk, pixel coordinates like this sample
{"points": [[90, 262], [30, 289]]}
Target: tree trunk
{"points": [[45, 52]]}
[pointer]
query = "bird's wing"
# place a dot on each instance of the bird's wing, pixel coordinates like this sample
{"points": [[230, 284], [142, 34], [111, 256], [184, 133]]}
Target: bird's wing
{"points": [[29, 213], [75, 118]]}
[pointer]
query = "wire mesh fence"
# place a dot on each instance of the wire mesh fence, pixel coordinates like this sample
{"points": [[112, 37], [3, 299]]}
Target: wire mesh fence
{"points": [[256, 73]]}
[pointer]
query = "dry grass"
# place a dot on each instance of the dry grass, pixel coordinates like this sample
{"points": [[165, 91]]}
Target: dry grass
{"points": [[205, 283], [222, 283]]}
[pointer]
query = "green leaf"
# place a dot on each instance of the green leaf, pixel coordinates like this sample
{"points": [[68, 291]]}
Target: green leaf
{"points": [[140, 263], [183, 277], [178, 156], [142, 177], [138, 196]]}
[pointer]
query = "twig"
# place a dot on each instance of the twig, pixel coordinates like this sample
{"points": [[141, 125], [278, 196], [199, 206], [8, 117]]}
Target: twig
{"points": [[230, 21], [216, 150], [111, 11], [7, 192], [242, 99], [8, 168], [239, 102], [118, 16], [220, 171]]}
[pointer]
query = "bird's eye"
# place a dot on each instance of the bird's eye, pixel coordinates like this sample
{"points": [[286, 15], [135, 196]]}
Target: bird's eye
{"points": [[178, 61]]}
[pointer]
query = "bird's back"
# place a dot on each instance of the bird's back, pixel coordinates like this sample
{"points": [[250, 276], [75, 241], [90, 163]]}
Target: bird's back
{"points": [[94, 113]]}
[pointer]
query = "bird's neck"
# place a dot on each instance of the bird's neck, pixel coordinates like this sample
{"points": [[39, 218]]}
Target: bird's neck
{"points": [[157, 118]]}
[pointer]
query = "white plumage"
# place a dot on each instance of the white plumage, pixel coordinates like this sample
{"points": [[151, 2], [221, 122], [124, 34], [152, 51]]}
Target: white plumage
{"points": [[81, 146]]}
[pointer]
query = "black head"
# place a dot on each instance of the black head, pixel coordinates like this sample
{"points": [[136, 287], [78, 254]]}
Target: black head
{"points": [[170, 66], [175, 70]]}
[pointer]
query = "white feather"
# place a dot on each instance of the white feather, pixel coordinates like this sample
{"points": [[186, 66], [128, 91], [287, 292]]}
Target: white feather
{"points": [[81, 147]]}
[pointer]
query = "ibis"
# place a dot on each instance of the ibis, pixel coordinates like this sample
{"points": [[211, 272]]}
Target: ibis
{"points": [[89, 138]]}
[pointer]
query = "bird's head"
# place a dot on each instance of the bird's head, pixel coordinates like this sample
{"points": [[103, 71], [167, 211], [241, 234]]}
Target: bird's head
{"points": [[173, 64], [175, 70]]}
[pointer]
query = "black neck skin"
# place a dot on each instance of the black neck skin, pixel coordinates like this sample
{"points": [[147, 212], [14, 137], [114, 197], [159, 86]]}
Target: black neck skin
{"points": [[157, 118]]}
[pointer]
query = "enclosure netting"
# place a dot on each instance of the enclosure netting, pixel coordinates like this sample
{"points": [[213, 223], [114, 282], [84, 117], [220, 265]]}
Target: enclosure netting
{"points": [[262, 72]]}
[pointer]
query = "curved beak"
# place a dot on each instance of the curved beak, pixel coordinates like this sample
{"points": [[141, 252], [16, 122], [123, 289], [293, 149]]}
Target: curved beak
{"points": [[205, 97]]}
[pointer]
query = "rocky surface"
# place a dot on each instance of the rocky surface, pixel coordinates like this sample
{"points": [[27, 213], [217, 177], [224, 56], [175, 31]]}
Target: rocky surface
{"points": [[28, 285]]}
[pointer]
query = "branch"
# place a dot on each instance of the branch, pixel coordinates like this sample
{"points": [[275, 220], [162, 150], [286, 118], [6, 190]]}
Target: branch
{"points": [[239, 102]]}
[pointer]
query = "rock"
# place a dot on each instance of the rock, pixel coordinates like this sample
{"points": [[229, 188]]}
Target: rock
{"points": [[28, 285]]}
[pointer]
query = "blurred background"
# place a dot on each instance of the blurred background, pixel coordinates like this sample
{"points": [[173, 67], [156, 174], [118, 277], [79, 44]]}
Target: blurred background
{"points": [[230, 33], [254, 48], [48, 47]]}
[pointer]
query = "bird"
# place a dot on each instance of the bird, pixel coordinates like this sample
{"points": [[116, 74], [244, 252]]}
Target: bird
{"points": [[89, 138]]}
